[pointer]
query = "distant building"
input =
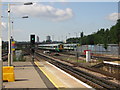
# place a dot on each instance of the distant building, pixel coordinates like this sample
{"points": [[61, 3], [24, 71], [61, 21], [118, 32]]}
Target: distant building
{"points": [[48, 39], [37, 39]]}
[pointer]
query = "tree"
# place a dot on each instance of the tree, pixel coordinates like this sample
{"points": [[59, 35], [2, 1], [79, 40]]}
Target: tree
{"points": [[102, 36]]}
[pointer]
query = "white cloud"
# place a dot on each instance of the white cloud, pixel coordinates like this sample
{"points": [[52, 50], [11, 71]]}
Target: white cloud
{"points": [[114, 16], [44, 11]]}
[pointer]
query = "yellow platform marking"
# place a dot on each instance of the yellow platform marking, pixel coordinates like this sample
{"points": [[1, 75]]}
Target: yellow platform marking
{"points": [[57, 83]]}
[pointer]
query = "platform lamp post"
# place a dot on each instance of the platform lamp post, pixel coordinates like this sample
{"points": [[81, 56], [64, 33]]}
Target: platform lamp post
{"points": [[9, 32], [11, 39], [1, 63], [119, 30]]}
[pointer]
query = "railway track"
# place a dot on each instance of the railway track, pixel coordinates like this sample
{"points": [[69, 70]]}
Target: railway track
{"points": [[89, 68], [95, 57], [90, 79]]}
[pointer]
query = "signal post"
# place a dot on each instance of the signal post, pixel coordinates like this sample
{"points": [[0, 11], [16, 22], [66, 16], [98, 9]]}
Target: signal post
{"points": [[32, 44]]}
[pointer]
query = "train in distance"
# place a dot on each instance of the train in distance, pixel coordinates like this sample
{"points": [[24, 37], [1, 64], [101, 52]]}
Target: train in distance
{"points": [[57, 47]]}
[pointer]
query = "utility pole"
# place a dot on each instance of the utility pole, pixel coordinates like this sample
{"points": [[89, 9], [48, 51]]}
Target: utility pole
{"points": [[9, 45], [66, 39], [1, 63], [119, 32], [69, 35]]}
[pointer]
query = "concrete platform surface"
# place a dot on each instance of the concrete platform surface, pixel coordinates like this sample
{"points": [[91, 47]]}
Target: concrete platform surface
{"points": [[25, 77], [59, 78]]}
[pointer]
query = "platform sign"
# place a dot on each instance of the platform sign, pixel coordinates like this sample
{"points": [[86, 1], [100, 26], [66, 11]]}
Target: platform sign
{"points": [[13, 45]]}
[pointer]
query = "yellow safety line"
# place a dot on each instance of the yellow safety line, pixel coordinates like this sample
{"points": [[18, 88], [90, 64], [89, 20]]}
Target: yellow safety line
{"points": [[46, 75]]}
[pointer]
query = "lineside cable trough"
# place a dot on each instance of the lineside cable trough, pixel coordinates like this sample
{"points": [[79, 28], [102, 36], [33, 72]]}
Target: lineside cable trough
{"points": [[8, 73]]}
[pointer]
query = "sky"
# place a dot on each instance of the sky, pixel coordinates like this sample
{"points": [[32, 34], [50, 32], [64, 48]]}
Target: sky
{"points": [[60, 20]]}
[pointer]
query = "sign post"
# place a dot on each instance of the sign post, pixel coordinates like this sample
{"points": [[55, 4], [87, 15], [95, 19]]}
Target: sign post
{"points": [[12, 50]]}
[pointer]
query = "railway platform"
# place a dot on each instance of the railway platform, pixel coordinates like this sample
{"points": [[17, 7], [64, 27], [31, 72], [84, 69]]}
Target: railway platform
{"points": [[26, 77], [42, 75]]}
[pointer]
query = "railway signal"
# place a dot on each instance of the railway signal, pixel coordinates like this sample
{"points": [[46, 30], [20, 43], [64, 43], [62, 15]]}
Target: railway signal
{"points": [[32, 39]]}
